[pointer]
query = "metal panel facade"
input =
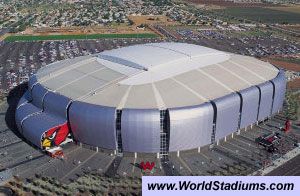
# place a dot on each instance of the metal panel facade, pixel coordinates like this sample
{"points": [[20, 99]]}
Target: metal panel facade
{"points": [[265, 101], [93, 125], [35, 126], [227, 115], [23, 111], [24, 99], [32, 121], [32, 81], [56, 104], [190, 127], [140, 130], [250, 106], [38, 93], [280, 88]]}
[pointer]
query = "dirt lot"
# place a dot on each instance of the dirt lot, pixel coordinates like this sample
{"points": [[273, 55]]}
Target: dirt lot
{"points": [[285, 65], [292, 85], [120, 29], [158, 19], [223, 3]]}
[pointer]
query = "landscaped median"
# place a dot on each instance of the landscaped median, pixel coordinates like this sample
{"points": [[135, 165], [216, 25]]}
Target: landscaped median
{"points": [[14, 38]]}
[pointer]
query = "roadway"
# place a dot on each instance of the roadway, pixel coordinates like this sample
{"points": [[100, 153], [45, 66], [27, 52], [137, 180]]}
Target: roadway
{"points": [[291, 168]]}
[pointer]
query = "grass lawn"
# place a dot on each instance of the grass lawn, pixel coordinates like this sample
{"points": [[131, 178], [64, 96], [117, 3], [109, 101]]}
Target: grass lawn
{"points": [[14, 38], [264, 15]]}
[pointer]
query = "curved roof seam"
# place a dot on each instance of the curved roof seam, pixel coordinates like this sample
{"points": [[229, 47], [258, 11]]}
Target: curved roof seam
{"points": [[94, 91], [124, 98], [215, 80], [249, 70], [79, 78], [209, 54], [191, 59], [42, 69], [59, 72], [159, 101], [263, 66], [234, 74], [64, 62], [189, 89], [213, 52], [173, 50]]}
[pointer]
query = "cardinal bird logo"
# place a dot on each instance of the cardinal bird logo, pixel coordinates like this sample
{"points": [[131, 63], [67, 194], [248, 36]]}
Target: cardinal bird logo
{"points": [[55, 136]]}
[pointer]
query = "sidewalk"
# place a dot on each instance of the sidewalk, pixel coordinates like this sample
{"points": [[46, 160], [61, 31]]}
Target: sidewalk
{"points": [[278, 162]]}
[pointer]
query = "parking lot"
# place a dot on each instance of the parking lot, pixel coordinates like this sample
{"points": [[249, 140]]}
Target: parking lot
{"points": [[239, 155], [251, 42], [19, 60]]}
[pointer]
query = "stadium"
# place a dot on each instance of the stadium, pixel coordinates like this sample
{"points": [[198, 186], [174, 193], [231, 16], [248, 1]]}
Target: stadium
{"points": [[149, 98]]}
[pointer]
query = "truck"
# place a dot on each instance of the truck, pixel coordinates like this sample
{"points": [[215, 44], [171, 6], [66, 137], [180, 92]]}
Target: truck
{"points": [[269, 141], [55, 152]]}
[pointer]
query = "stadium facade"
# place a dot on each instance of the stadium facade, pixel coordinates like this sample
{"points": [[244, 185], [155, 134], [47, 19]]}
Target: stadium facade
{"points": [[149, 98]]}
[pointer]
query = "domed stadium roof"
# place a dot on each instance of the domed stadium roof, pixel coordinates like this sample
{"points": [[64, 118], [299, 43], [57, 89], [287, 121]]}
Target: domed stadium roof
{"points": [[156, 75]]}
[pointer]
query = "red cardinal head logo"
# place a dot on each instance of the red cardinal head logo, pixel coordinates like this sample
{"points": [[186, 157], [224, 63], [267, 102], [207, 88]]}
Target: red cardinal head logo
{"points": [[55, 136]]}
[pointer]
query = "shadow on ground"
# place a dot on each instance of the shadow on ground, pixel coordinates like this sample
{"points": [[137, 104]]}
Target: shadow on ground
{"points": [[13, 99], [6, 191]]}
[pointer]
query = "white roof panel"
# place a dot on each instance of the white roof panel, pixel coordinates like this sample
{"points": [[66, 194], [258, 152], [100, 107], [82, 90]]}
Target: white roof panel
{"points": [[134, 98], [56, 82], [203, 84], [173, 93], [156, 75]]}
